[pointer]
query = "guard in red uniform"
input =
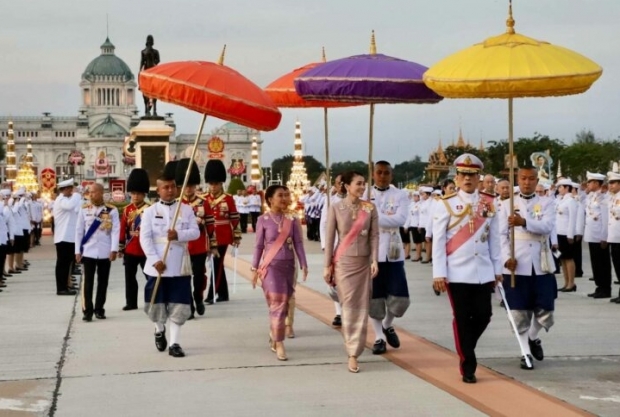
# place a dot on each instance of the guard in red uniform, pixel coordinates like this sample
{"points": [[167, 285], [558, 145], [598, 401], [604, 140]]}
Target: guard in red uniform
{"points": [[129, 240], [199, 248], [227, 228]]}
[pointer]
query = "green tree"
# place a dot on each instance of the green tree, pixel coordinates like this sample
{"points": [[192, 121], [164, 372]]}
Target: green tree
{"points": [[412, 170], [340, 167], [284, 165], [584, 156]]}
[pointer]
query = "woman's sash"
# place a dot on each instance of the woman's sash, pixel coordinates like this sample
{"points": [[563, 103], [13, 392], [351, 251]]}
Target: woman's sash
{"points": [[356, 228], [275, 248]]}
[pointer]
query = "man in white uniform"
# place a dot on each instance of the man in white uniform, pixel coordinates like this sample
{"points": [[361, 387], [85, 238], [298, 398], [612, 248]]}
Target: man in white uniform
{"points": [[613, 230], [466, 259], [96, 246], [65, 220], [595, 235], [174, 295]]}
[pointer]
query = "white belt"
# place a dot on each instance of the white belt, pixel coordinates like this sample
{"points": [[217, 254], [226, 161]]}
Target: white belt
{"points": [[390, 230], [165, 240], [528, 236]]}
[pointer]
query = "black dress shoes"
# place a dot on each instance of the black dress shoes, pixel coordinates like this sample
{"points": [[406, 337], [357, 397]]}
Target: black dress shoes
{"points": [[13, 271], [87, 317], [470, 379], [160, 341], [524, 363], [200, 308], [209, 301], [592, 294], [536, 349], [66, 292], [379, 347], [7, 275], [100, 316], [602, 295], [615, 300], [176, 351], [392, 337], [191, 317], [128, 308], [337, 321]]}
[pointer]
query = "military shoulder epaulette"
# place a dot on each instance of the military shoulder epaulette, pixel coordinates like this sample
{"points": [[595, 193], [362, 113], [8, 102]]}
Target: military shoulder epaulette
{"points": [[447, 196], [367, 204], [110, 206]]}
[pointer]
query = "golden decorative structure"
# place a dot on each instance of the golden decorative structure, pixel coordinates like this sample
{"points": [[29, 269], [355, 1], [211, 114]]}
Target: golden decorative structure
{"points": [[298, 181], [439, 164], [255, 173], [25, 176], [11, 168]]}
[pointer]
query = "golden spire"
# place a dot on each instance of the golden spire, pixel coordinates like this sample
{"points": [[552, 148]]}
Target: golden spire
{"points": [[373, 44], [323, 57], [460, 143], [221, 60], [481, 147], [510, 22]]}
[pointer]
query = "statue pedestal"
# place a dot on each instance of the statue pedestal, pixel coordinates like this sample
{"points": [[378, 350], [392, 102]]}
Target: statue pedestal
{"points": [[151, 141]]}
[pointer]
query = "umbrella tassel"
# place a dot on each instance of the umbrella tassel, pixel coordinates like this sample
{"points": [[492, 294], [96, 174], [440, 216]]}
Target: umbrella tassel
{"points": [[178, 208]]}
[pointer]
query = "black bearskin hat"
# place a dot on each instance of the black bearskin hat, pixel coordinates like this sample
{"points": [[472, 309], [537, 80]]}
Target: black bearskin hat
{"points": [[215, 171], [138, 181], [194, 174], [170, 171]]}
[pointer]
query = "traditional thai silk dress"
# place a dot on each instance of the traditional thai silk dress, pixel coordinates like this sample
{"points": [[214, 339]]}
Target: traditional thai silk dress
{"points": [[278, 275], [352, 268]]}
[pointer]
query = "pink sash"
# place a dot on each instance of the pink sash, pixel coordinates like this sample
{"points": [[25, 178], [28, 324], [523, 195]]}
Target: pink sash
{"points": [[464, 234], [356, 228], [275, 248]]}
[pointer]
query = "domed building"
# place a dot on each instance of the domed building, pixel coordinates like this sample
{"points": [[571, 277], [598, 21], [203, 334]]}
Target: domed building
{"points": [[93, 139]]}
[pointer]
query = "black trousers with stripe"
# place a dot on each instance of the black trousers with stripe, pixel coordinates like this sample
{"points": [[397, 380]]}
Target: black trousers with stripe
{"points": [[471, 306]]}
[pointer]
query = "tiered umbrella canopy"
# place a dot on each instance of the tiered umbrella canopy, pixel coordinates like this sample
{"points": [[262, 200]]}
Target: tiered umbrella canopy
{"points": [[367, 79]]}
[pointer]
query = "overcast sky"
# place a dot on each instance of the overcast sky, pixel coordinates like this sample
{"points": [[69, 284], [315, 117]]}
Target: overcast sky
{"points": [[45, 45]]}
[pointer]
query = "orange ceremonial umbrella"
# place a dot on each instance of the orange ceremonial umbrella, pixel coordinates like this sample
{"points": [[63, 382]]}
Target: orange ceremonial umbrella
{"points": [[211, 89], [282, 92]]}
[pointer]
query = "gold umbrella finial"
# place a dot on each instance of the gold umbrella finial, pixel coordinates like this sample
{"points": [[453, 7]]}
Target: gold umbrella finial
{"points": [[221, 60], [373, 44], [323, 54], [510, 22]]}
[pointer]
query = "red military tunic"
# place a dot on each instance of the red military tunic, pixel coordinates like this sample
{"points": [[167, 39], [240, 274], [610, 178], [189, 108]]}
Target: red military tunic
{"points": [[227, 228], [130, 222], [206, 224]]}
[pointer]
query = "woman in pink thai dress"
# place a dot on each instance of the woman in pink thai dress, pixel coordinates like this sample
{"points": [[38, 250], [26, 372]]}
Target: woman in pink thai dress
{"points": [[278, 239]]}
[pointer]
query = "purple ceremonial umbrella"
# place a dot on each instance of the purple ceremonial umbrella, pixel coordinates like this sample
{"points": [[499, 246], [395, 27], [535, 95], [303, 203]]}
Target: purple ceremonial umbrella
{"points": [[372, 79]]}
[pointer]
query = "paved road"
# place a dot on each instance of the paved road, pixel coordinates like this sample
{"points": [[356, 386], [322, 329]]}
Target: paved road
{"points": [[53, 364]]}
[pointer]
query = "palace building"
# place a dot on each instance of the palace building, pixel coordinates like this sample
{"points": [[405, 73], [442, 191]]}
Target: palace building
{"points": [[90, 146]]}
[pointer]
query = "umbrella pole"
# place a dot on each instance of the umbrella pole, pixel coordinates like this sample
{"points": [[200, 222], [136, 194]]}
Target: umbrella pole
{"points": [[370, 136], [511, 176], [329, 181], [178, 208]]}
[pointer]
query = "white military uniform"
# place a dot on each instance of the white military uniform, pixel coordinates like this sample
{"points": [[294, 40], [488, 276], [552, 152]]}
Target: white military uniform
{"points": [[105, 238], [532, 241], [613, 223], [392, 207], [596, 213], [156, 221], [477, 261], [65, 217], [413, 216], [566, 212]]}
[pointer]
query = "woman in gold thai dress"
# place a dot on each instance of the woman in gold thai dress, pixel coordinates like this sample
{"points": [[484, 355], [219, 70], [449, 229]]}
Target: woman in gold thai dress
{"points": [[353, 263]]}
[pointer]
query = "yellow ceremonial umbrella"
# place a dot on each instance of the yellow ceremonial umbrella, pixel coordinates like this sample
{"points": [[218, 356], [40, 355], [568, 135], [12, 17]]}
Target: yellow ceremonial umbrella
{"points": [[509, 66]]}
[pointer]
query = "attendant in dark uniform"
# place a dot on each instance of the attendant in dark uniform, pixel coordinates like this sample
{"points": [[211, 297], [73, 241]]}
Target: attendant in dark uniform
{"points": [[467, 259], [129, 246], [227, 229], [198, 248], [96, 246]]}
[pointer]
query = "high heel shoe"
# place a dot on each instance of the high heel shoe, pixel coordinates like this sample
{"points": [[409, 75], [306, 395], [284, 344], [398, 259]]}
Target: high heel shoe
{"points": [[280, 352], [272, 344], [562, 289], [573, 289], [290, 333], [353, 366]]}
